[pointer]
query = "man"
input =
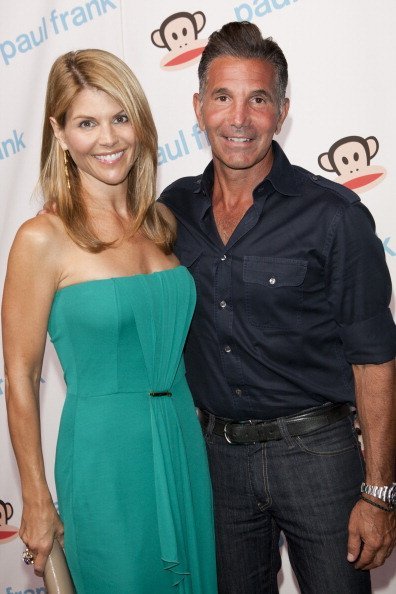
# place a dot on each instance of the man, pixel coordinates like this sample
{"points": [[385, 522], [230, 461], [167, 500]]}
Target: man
{"points": [[291, 328]]}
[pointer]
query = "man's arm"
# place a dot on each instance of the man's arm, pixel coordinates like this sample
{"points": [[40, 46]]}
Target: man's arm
{"points": [[372, 531]]}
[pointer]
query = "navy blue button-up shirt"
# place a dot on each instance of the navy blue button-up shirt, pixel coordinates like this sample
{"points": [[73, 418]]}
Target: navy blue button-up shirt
{"points": [[298, 294]]}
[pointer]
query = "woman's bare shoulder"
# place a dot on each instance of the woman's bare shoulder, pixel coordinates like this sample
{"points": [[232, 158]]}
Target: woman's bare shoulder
{"points": [[36, 256], [41, 230]]}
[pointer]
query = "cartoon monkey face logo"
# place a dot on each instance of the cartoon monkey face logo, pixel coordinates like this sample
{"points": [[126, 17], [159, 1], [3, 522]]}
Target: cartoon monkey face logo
{"points": [[350, 159], [179, 35], [7, 532]]}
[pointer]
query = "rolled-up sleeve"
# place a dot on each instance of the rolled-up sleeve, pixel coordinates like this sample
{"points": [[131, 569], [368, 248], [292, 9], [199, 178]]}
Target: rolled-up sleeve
{"points": [[359, 287]]}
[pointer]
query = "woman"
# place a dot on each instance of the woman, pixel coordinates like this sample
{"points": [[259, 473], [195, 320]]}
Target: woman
{"points": [[131, 474]]}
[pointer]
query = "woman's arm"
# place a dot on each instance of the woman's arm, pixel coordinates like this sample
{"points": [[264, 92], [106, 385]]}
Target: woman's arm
{"points": [[31, 280]]}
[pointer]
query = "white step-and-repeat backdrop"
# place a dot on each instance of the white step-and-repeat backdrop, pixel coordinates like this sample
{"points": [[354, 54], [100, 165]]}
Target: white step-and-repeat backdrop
{"points": [[341, 55]]}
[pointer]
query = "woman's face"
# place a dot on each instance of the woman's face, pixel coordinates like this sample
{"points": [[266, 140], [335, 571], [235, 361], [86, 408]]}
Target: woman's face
{"points": [[99, 138]]}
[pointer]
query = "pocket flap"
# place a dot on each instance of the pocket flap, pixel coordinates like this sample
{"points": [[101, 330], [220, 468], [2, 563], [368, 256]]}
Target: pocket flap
{"points": [[274, 272]]}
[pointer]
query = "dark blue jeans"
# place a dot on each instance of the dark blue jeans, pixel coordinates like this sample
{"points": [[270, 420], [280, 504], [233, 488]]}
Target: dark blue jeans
{"points": [[305, 486]]}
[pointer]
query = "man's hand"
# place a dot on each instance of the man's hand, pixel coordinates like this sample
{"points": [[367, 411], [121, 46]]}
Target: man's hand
{"points": [[372, 535]]}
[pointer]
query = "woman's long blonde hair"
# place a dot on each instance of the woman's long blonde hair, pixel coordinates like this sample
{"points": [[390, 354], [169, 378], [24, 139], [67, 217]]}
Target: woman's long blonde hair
{"points": [[98, 69]]}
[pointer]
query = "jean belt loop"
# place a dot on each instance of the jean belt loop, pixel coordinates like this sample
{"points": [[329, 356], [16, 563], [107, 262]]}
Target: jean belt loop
{"points": [[211, 424], [285, 432], [207, 421]]}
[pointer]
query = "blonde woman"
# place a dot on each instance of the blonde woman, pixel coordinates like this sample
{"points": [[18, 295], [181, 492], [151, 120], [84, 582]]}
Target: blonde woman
{"points": [[98, 273]]}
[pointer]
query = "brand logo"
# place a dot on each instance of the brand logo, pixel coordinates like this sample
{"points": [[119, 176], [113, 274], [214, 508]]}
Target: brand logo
{"points": [[350, 158], [57, 22], [42, 380], [12, 145], [185, 141], [391, 251], [40, 590], [178, 34], [7, 531], [259, 8]]}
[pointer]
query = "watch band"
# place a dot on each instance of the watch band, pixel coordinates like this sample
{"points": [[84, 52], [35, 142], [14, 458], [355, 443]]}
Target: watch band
{"points": [[386, 493]]}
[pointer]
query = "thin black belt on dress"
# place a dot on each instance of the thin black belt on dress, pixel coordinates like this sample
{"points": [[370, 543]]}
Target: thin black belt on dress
{"points": [[254, 431]]}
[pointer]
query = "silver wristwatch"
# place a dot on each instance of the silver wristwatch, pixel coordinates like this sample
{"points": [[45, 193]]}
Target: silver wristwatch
{"points": [[386, 493]]}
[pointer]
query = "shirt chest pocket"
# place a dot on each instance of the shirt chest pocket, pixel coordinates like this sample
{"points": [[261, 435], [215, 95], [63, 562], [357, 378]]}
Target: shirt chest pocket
{"points": [[274, 291]]}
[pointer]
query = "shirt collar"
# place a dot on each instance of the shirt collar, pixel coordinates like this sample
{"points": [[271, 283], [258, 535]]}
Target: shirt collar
{"points": [[203, 189], [282, 177], [204, 182]]}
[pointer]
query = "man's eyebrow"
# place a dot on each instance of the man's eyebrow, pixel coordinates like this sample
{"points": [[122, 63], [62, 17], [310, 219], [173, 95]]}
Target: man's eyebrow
{"points": [[262, 92], [220, 91], [226, 91]]}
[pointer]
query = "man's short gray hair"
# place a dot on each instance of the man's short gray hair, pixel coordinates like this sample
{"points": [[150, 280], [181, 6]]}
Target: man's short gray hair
{"points": [[244, 40]]}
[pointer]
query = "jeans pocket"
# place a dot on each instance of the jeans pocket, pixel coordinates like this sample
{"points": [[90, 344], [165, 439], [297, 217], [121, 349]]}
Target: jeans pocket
{"points": [[337, 438]]}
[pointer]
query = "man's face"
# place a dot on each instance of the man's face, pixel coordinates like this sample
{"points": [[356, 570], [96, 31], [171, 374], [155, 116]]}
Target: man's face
{"points": [[240, 113]]}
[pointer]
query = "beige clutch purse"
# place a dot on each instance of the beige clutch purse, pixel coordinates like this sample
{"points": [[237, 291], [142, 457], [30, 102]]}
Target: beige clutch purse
{"points": [[57, 578]]}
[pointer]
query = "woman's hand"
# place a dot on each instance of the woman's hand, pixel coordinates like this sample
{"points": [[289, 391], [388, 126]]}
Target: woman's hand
{"points": [[40, 525]]}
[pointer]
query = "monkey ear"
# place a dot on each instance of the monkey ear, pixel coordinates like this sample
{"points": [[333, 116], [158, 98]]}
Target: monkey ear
{"points": [[324, 162], [9, 511], [200, 20], [156, 38], [373, 145]]}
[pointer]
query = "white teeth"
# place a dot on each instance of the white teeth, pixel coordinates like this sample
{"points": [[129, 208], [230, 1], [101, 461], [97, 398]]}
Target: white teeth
{"points": [[239, 139], [109, 158]]}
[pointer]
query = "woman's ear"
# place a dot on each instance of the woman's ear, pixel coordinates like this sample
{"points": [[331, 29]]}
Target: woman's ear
{"points": [[58, 133]]}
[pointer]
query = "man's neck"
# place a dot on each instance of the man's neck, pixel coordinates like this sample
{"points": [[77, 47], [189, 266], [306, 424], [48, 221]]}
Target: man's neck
{"points": [[235, 186]]}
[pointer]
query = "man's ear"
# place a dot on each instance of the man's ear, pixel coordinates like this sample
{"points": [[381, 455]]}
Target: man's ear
{"points": [[283, 114], [58, 133], [197, 103]]}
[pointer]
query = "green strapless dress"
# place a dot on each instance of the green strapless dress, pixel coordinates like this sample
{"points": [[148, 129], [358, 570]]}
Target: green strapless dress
{"points": [[131, 471]]}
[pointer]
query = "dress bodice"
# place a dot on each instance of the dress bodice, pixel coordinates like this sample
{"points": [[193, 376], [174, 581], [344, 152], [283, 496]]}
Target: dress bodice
{"points": [[123, 334]]}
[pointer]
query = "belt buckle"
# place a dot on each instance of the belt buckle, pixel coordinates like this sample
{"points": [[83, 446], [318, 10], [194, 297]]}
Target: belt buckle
{"points": [[227, 438]]}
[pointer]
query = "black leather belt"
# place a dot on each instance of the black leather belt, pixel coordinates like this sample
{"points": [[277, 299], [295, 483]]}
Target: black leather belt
{"points": [[254, 431]]}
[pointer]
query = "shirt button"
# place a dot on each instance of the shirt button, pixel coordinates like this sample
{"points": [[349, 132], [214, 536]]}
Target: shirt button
{"points": [[272, 280], [223, 257], [227, 348], [238, 392], [223, 304]]}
